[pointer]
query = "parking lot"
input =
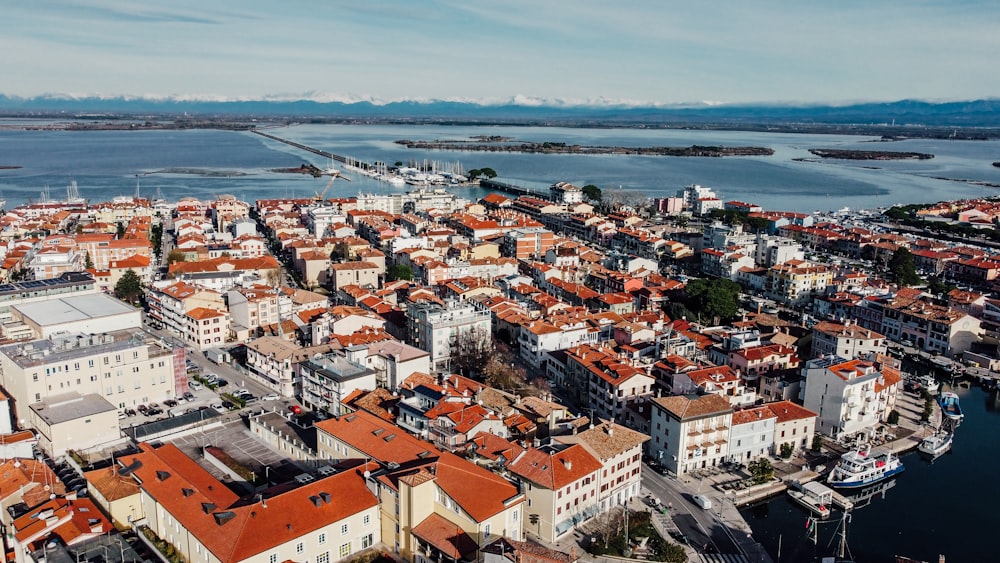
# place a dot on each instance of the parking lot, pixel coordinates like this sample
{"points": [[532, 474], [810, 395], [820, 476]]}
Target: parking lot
{"points": [[235, 438]]}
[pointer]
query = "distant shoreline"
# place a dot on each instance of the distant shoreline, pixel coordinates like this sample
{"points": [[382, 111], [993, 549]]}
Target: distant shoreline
{"points": [[145, 122], [563, 148]]}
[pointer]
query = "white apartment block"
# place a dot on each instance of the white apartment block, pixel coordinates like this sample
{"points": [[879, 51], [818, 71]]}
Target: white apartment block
{"points": [[690, 432], [850, 396], [441, 329], [127, 368]]}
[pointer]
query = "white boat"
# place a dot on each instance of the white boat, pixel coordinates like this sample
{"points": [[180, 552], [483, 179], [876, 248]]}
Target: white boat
{"points": [[929, 383], [935, 445], [396, 181], [861, 467], [815, 497]]}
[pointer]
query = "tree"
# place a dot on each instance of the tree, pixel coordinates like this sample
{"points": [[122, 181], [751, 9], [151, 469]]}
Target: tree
{"points": [[88, 263], [817, 443], [120, 230], [786, 450], [902, 269], [715, 300], [156, 238], [474, 174], [893, 417], [399, 272], [129, 287], [489, 172], [471, 351], [592, 192], [176, 256], [761, 470]]}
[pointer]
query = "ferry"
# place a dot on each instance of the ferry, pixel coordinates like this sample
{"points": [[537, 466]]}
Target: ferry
{"points": [[950, 406], [935, 445], [860, 467]]}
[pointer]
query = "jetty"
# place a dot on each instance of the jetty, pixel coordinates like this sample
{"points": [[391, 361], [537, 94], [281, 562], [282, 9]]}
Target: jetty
{"points": [[514, 189]]}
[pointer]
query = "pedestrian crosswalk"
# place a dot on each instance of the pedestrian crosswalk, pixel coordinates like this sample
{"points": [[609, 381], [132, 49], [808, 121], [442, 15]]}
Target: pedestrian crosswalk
{"points": [[723, 558]]}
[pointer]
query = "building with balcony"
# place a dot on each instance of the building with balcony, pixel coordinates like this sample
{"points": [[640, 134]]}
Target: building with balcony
{"points": [[690, 432], [444, 329], [846, 340], [561, 487], [329, 378], [850, 396]]}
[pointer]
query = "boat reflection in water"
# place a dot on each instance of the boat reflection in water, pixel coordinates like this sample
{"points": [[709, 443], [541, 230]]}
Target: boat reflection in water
{"points": [[864, 497]]}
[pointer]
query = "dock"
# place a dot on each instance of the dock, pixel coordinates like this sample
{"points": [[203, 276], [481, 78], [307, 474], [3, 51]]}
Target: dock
{"points": [[514, 189]]}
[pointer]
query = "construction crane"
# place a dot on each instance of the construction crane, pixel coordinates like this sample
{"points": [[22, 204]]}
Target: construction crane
{"points": [[333, 176]]}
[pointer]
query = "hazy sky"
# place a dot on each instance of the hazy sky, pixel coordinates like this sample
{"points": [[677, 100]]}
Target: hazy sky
{"points": [[655, 51]]}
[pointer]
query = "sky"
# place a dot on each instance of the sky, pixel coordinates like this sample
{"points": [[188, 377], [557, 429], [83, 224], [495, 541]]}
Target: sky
{"points": [[570, 52]]}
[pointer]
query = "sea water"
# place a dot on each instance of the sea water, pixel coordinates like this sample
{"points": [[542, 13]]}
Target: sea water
{"points": [[204, 163]]}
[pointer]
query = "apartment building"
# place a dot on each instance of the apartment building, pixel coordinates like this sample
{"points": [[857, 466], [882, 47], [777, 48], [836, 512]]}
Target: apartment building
{"points": [[690, 432], [846, 340], [442, 329], [849, 396]]}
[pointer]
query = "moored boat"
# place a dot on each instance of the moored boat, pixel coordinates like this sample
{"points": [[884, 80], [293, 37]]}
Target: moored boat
{"points": [[935, 445], [950, 406], [929, 383], [861, 467], [810, 503]]}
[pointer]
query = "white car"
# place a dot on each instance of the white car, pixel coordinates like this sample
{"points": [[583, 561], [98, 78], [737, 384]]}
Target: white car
{"points": [[270, 397]]}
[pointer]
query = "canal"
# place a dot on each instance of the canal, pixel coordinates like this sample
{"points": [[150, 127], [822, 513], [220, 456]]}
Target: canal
{"points": [[945, 507]]}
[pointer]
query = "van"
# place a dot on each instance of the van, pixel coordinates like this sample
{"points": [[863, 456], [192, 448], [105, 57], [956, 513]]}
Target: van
{"points": [[702, 501]]}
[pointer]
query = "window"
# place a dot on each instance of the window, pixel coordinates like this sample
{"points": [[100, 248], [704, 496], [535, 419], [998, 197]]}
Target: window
{"points": [[345, 550], [368, 519], [486, 531], [321, 539], [300, 547], [323, 557], [366, 542], [343, 529], [273, 558]]}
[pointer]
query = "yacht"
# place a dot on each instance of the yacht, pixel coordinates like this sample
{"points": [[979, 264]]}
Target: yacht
{"points": [[861, 467]]}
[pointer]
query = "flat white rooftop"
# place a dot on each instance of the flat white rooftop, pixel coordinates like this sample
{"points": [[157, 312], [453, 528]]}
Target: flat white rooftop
{"points": [[73, 309]]}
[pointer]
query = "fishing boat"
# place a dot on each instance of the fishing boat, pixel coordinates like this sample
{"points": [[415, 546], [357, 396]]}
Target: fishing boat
{"points": [[815, 497], [950, 406], [860, 467], [935, 445]]}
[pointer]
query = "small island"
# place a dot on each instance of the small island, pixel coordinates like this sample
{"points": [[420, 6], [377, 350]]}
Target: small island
{"points": [[997, 164], [563, 148], [11, 167], [305, 168], [869, 155]]}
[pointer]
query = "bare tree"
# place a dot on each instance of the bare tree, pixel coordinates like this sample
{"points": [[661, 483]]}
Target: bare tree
{"points": [[471, 351]]}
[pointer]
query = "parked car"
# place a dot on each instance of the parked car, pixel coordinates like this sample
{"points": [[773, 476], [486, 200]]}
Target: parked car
{"points": [[229, 405], [295, 409], [189, 396], [170, 403], [221, 382], [195, 385], [210, 378], [270, 397]]}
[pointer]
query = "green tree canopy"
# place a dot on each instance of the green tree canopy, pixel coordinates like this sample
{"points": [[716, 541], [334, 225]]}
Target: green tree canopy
{"points": [[129, 287], [489, 172], [592, 192], [714, 300], [902, 269], [399, 272], [120, 230]]}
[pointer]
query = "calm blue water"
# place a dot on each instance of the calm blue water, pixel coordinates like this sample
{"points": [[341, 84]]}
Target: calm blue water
{"points": [[945, 507], [106, 164]]}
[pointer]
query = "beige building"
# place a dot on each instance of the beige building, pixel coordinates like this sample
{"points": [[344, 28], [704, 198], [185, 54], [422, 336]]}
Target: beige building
{"points": [[690, 432], [126, 367], [364, 274], [117, 494], [435, 505], [73, 421], [327, 519], [560, 486]]}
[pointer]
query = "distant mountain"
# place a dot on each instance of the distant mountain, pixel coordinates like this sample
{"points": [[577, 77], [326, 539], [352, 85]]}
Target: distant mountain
{"points": [[975, 113]]}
